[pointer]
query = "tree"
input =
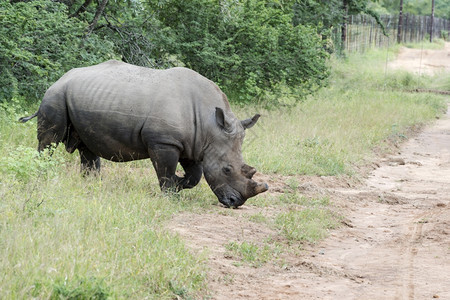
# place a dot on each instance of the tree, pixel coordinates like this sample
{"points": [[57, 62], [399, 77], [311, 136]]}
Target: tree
{"points": [[248, 47], [245, 52], [416, 7], [432, 21], [400, 23], [325, 15], [345, 7], [98, 13], [38, 43]]}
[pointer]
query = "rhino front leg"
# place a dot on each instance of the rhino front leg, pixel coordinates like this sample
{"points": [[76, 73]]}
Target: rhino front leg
{"points": [[165, 160], [193, 173]]}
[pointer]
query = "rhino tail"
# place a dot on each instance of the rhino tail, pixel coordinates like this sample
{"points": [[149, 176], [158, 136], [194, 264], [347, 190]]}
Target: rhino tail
{"points": [[25, 119]]}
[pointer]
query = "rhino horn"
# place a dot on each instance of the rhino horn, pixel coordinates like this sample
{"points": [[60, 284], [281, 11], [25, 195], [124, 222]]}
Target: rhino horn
{"points": [[248, 123], [261, 188], [248, 171]]}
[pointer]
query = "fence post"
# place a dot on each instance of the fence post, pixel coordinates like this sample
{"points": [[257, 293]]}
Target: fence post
{"points": [[432, 21], [400, 23]]}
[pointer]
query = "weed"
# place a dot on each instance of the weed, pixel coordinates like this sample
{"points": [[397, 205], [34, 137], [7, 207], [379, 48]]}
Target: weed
{"points": [[306, 225], [84, 288], [292, 183], [258, 218], [296, 198], [24, 163], [250, 253]]}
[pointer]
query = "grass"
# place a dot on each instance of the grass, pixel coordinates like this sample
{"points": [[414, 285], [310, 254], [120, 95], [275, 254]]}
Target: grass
{"points": [[101, 230], [309, 224], [337, 128], [65, 236], [437, 44], [303, 219], [251, 253], [317, 140]]}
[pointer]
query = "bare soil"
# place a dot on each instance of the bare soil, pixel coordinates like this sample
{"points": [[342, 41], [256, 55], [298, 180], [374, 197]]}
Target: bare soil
{"points": [[393, 244], [423, 61]]}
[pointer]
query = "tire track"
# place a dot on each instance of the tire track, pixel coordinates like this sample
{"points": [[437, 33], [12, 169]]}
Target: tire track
{"points": [[411, 246], [411, 238]]}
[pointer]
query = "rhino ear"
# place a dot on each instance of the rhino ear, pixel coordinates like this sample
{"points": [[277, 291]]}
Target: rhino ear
{"points": [[221, 120], [248, 123]]}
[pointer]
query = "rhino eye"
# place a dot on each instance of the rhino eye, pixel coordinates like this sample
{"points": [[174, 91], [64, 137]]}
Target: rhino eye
{"points": [[226, 170]]}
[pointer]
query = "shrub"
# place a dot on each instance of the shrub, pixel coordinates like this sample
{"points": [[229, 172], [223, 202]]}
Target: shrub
{"points": [[39, 43], [24, 163], [248, 47]]}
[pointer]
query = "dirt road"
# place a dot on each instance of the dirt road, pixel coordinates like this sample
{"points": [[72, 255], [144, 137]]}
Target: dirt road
{"points": [[399, 240], [395, 244], [423, 61]]}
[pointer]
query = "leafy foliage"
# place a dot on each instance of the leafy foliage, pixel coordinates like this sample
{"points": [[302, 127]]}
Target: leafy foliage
{"points": [[253, 49], [248, 47], [416, 7], [39, 43], [244, 51], [318, 12], [25, 163]]}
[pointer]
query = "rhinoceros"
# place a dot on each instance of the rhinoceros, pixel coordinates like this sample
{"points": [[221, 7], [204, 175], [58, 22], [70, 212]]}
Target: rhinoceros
{"points": [[122, 112]]}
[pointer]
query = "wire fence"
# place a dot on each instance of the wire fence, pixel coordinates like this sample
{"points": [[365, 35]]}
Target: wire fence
{"points": [[364, 33]]}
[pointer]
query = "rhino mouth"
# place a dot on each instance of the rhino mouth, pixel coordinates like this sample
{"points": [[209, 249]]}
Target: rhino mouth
{"points": [[229, 199], [233, 202]]}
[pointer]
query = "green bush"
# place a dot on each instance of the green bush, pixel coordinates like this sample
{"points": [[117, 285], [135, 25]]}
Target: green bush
{"points": [[39, 43], [248, 47], [24, 163], [251, 48]]}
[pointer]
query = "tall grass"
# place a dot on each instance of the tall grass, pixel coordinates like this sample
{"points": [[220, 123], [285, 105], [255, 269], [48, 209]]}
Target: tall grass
{"points": [[331, 132]]}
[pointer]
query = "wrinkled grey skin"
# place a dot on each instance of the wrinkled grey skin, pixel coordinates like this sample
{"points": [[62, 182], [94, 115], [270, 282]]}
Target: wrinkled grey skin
{"points": [[122, 112]]}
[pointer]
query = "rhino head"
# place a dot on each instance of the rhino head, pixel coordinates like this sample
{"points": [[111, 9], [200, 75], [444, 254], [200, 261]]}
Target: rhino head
{"points": [[223, 166]]}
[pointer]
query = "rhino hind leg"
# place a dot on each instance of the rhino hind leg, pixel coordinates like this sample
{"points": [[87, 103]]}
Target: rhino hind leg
{"points": [[89, 161], [50, 132]]}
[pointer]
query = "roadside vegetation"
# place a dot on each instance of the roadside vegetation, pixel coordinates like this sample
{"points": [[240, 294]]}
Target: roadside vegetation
{"points": [[336, 129], [65, 236]]}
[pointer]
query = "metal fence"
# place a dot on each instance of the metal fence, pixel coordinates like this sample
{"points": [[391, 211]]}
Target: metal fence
{"points": [[363, 32]]}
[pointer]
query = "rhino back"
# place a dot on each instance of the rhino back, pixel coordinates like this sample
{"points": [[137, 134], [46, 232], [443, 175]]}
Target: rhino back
{"points": [[120, 110]]}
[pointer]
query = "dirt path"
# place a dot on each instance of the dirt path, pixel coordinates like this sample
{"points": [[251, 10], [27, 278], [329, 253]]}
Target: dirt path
{"points": [[399, 242], [423, 61], [395, 245]]}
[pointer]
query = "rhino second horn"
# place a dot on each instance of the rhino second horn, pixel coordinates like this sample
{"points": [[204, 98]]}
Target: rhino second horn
{"points": [[251, 173], [248, 171]]}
